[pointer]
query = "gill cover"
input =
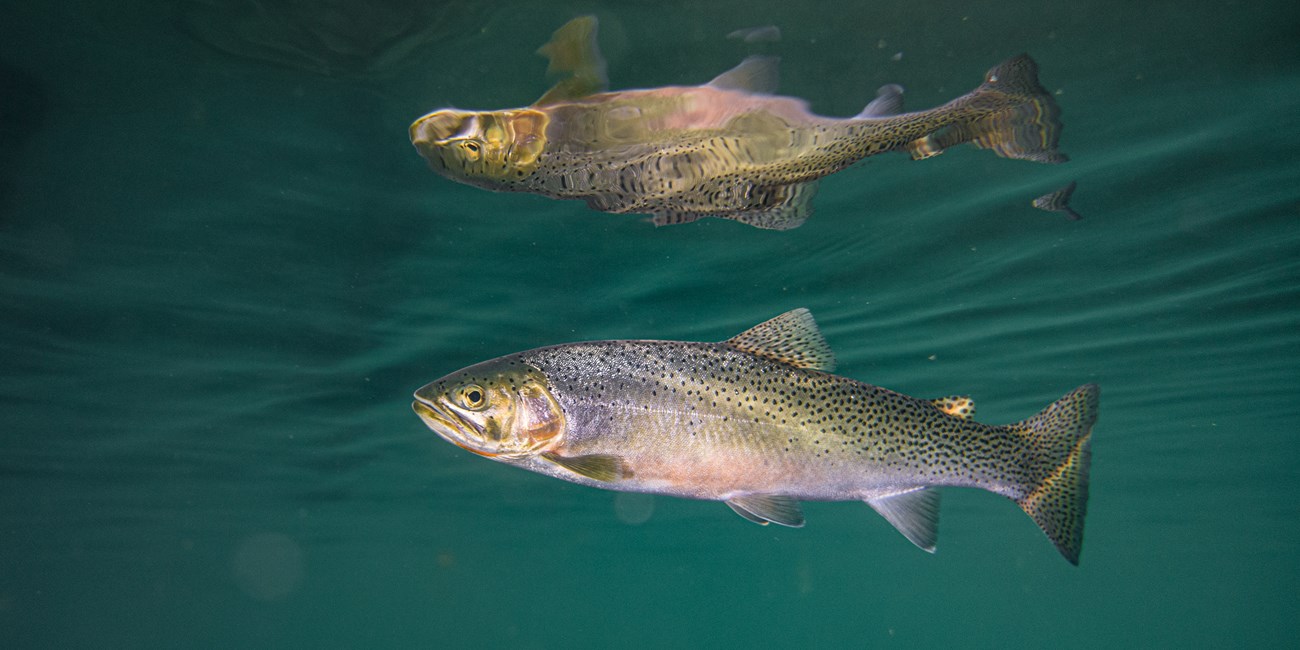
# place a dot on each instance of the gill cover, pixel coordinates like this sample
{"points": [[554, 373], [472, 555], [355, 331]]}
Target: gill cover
{"points": [[540, 420], [493, 145]]}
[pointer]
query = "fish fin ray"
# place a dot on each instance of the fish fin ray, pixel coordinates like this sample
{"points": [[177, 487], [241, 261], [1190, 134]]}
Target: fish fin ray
{"points": [[674, 218], [792, 207], [1059, 201], [787, 207], [573, 51], [1014, 116], [599, 467], [747, 514], [915, 514], [1060, 438], [756, 74], [791, 338], [765, 508], [764, 34], [782, 207], [888, 101], [958, 406]]}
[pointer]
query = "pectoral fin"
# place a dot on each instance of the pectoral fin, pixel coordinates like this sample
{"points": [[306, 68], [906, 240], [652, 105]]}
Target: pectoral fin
{"points": [[915, 514], [598, 467], [768, 508]]}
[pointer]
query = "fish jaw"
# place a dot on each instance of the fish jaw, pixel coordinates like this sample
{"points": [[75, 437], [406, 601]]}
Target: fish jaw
{"points": [[448, 425]]}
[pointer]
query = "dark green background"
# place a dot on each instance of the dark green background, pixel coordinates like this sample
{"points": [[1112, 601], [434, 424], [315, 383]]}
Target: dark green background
{"points": [[223, 270]]}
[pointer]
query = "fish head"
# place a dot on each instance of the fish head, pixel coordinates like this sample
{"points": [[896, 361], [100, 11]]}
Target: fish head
{"points": [[501, 409], [482, 147]]}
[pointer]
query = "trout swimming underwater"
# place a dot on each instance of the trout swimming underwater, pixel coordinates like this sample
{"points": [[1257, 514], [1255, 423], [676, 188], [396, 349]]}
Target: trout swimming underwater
{"points": [[758, 422], [727, 149]]}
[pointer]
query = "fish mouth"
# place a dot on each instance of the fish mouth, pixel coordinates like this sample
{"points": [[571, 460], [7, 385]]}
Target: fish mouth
{"points": [[447, 424]]}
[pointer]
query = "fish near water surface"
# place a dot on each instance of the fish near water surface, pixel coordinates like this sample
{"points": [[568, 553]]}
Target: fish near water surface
{"points": [[758, 422], [729, 148], [1059, 201]]}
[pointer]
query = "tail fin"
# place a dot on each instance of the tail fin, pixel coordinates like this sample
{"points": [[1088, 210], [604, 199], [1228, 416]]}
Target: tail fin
{"points": [[1010, 113], [1061, 438], [1059, 201]]}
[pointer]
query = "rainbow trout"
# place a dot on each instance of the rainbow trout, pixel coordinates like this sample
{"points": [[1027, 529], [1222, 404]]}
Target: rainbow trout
{"points": [[758, 422], [728, 149]]}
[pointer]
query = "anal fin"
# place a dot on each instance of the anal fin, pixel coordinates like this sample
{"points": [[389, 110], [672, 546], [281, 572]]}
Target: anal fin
{"points": [[914, 513], [768, 508]]}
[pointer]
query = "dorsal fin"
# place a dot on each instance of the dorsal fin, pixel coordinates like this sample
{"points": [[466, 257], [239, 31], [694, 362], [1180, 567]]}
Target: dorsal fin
{"points": [[888, 101], [756, 74], [764, 34], [958, 406], [791, 338], [573, 51]]}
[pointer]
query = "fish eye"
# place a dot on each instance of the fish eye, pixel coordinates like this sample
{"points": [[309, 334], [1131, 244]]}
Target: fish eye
{"points": [[473, 396], [470, 150]]}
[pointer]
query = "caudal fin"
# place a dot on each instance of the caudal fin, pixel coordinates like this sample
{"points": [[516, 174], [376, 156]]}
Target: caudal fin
{"points": [[1060, 439], [1009, 113], [1059, 201]]}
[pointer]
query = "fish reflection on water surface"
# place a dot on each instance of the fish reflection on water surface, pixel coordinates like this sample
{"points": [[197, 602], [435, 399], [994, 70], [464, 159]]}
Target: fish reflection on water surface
{"points": [[758, 422], [728, 148]]}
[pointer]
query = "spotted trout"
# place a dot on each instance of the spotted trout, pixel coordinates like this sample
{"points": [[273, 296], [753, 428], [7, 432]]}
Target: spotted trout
{"points": [[758, 422], [729, 148]]}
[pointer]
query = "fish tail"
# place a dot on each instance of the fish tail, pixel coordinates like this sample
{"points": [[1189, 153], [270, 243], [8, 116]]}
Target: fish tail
{"points": [[1056, 496], [1059, 201], [1010, 113]]}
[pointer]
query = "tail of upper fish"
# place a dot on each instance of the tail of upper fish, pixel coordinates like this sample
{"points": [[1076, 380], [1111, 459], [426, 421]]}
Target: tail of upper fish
{"points": [[1059, 439], [1010, 113]]}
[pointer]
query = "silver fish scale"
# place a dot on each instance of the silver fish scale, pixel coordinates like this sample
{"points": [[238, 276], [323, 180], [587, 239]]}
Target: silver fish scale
{"points": [[678, 401], [694, 176]]}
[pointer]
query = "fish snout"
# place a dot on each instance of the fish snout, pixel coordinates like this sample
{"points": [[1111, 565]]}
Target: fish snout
{"points": [[438, 125], [424, 138], [445, 423]]}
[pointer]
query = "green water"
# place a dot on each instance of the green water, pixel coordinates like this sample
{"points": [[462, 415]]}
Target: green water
{"points": [[223, 271]]}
